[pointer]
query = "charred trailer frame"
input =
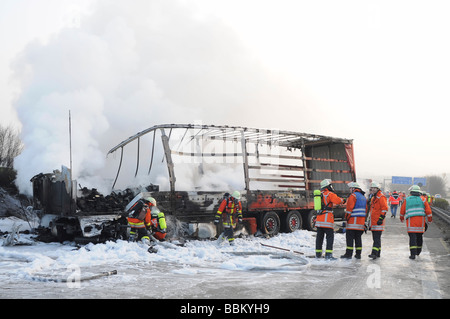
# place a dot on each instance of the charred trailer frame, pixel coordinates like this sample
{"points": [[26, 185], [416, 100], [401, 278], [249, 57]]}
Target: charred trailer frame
{"points": [[55, 201], [292, 172]]}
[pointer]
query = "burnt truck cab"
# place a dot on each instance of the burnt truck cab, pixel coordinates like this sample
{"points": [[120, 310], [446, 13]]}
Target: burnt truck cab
{"points": [[279, 171], [58, 204]]}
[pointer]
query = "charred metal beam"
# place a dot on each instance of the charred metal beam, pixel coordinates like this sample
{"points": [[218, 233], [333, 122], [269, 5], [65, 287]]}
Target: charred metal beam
{"points": [[138, 149], [120, 165], [153, 152], [168, 155]]}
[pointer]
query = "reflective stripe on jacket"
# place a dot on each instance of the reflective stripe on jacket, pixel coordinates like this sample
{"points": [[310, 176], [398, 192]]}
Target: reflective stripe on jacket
{"points": [[415, 209], [356, 211], [230, 212], [137, 223], [378, 208], [394, 199], [326, 218]]}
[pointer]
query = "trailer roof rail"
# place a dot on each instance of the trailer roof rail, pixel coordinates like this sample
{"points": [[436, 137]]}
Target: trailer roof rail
{"points": [[252, 135]]}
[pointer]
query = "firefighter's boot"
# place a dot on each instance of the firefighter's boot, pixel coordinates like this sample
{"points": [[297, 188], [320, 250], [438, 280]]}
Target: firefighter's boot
{"points": [[418, 250], [348, 254], [329, 256], [373, 254], [413, 252]]}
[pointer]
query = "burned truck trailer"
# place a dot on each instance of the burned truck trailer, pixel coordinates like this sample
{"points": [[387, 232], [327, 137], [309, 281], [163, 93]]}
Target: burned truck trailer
{"points": [[277, 171]]}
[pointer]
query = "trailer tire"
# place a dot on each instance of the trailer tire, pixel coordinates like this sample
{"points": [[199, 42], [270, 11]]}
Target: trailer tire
{"points": [[270, 223], [310, 220], [292, 221]]}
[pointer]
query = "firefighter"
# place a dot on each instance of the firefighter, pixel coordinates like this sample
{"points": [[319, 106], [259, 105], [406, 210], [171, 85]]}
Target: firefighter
{"points": [[139, 219], [414, 210], [230, 212], [355, 214], [325, 219], [377, 208], [394, 200], [158, 224]]}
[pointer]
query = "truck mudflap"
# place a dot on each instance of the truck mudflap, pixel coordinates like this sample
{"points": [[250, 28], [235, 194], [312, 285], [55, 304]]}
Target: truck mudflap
{"points": [[92, 226]]}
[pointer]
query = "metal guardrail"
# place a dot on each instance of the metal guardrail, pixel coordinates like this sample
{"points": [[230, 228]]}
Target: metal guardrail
{"points": [[442, 213]]}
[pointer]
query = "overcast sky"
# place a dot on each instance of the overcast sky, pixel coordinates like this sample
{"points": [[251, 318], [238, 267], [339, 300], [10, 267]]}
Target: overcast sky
{"points": [[377, 72]]}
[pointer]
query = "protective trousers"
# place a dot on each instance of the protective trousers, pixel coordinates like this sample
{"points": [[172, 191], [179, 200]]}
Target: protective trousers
{"points": [[138, 233], [229, 234], [321, 232], [353, 236], [376, 247], [415, 243]]}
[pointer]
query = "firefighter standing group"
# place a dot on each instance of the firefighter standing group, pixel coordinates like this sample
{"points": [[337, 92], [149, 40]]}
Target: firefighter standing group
{"points": [[362, 214]]}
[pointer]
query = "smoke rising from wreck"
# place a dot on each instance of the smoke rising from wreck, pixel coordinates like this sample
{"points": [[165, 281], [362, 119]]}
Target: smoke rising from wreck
{"points": [[129, 66]]}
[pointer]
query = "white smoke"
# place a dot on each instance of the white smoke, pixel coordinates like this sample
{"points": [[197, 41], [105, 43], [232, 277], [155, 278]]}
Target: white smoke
{"points": [[128, 66]]}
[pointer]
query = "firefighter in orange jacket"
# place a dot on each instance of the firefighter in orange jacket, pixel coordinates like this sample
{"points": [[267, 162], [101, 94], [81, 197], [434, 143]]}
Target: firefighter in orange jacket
{"points": [[377, 207], [355, 214], [325, 219], [230, 211], [415, 209], [140, 219], [394, 201]]}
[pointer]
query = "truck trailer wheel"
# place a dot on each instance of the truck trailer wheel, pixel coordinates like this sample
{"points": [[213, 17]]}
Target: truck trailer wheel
{"points": [[270, 224], [292, 221], [309, 219]]}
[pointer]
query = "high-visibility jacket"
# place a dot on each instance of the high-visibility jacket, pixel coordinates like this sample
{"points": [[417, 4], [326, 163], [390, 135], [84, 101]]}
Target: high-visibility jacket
{"points": [[230, 210], [138, 223], [414, 209], [325, 218], [355, 212], [378, 208], [394, 199]]}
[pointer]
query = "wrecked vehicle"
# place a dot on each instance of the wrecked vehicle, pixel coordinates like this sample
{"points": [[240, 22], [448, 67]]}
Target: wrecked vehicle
{"points": [[84, 215], [275, 171], [279, 171]]}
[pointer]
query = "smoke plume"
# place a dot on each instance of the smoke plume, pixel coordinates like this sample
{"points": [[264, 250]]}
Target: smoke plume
{"points": [[130, 65]]}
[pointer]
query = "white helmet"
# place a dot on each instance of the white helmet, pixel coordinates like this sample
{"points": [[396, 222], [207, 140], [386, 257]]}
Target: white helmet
{"points": [[325, 183], [353, 185], [150, 200], [236, 195], [375, 185]]}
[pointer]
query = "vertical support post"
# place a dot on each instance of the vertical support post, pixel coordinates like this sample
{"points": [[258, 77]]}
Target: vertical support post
{"points": [[70, 181], [168, 154], [245, 158], [305, 171]]}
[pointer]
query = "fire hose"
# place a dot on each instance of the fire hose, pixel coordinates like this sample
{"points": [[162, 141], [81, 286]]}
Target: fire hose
{"points": [[275, 247]]}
